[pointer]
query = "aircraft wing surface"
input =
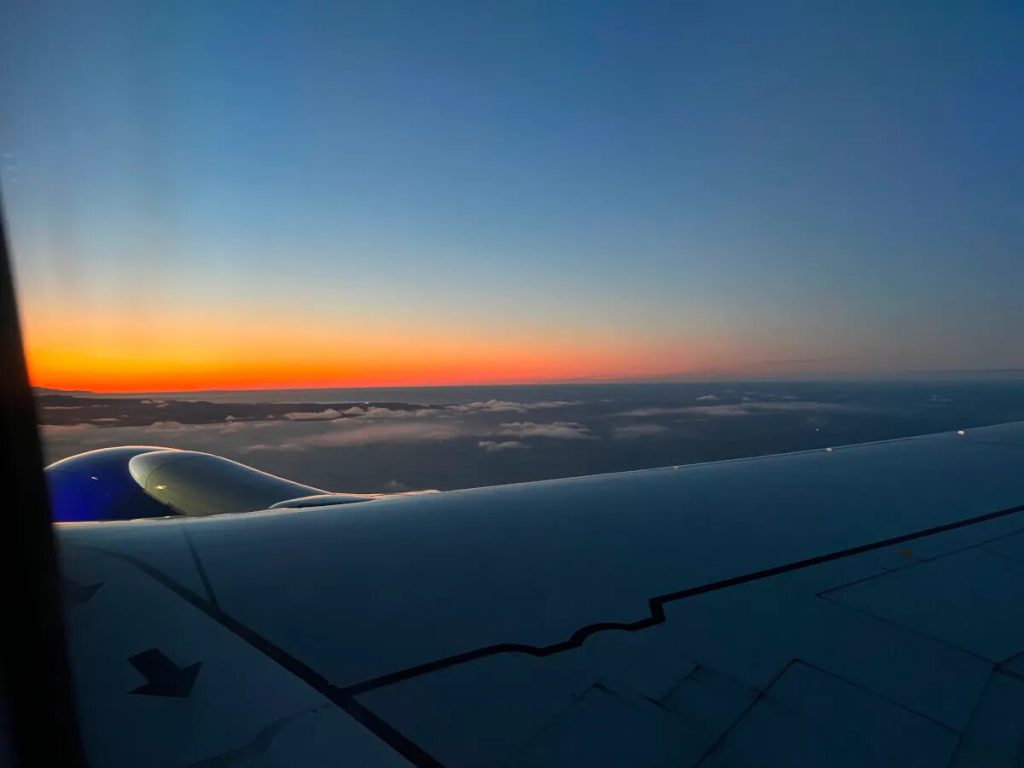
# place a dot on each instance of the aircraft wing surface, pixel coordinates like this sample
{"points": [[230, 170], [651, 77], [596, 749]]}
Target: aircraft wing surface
{"points": [[862, 605]]}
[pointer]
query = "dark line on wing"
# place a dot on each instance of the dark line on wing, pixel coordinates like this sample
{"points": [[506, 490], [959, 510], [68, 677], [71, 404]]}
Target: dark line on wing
{"points": [[200, 568], [874, 693], [383, 730], [825, 594], [760, 694], [657, 606]]}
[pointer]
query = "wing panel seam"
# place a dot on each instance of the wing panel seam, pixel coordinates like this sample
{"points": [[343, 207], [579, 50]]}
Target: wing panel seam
{"points": [[657, 605]]}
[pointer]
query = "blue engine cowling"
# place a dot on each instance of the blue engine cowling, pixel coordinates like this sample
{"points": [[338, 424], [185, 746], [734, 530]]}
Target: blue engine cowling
{"points": [[98, 486], [143, 481]]}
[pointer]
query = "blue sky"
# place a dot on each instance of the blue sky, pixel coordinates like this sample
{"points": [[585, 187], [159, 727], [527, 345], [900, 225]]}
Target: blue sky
{"points": [[697, 188]]}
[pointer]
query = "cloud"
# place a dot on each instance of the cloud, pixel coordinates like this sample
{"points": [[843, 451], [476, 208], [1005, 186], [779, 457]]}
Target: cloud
{"points": [[747, 408], [256, 447], [507, 406], [709, 397], [493, 446], [634, 431], [232, 425], [356, 410], [328, 414], [366, 434], [173, 426], [563, 430], [490, 406], [753, 407], [720, 410], [376, 412], [659, 411], [61, 430]]}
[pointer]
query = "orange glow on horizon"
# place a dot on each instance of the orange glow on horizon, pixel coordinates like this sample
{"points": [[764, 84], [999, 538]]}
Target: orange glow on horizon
{"points": [[172, 355], [85, 373]]}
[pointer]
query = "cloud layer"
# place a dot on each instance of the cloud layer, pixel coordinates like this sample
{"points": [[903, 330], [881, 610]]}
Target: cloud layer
{"points": [[494, 446], [506, 406], [746, 408], [636, 431], [562, 430], [371, 446]]}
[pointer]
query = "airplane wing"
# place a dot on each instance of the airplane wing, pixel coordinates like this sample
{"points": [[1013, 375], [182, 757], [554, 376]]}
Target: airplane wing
{"points": [[861, 605]]}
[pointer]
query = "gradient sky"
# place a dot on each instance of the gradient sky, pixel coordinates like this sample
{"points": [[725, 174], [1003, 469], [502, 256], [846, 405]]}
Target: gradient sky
{"points": [[265, 193]]}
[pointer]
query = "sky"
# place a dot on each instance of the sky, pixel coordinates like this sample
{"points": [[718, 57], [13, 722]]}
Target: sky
{"points": [[265, 194]]}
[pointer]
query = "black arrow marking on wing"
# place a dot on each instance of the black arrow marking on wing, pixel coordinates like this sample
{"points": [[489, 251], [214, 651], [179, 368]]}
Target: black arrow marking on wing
{"points": [[163, 676]]}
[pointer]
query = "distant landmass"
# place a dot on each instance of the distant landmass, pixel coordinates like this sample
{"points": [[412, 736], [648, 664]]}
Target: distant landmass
{"points": [[68, 408], [52, 391]]}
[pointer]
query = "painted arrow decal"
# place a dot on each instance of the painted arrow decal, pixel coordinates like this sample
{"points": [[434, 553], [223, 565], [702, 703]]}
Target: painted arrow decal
{"points": [[163, 676]]}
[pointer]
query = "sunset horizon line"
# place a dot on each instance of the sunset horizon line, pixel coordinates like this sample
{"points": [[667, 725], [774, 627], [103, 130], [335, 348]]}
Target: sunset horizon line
{"points": [[702, 378]]}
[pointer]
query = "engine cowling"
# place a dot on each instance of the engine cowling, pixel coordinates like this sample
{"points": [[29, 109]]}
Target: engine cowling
{"points": [[140, 481]]}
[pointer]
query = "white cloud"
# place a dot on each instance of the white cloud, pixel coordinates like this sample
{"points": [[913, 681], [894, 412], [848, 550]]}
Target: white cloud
{"points": [[640, 412], [564, 430], [173, 426], [375, 412], [490, 406], [709, 397], [235, 425], [720, 410], [493, 446], [747, 409], [256, 447], [507, 406], [59, 430], [634, 431], [328, 414], [366, 434]]}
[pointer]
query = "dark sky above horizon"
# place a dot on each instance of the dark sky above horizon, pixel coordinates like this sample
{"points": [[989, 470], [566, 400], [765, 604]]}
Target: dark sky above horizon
{"points": [[258, 193]]}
